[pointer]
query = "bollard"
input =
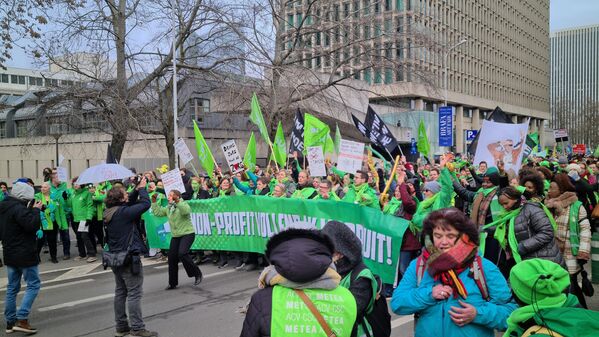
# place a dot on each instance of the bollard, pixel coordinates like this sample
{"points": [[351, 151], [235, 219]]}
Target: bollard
{"points": [[595, 258]]}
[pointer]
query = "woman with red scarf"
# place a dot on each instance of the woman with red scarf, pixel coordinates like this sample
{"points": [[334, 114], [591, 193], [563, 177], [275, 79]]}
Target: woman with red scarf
{"points": [[451, 289]]}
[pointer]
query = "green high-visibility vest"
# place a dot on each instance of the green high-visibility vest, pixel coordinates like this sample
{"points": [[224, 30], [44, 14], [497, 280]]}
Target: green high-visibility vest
{"points": [[291, 317]]}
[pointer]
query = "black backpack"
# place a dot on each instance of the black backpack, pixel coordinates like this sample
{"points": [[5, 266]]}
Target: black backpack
{"points": [[379, 318]]}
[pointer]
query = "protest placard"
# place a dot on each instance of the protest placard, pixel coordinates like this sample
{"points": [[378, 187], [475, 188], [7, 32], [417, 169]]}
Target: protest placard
{"points": [[316, 161], [501, 142], [351, 155], [63, 174], [232, 156], [172, 181], [183, 151]]}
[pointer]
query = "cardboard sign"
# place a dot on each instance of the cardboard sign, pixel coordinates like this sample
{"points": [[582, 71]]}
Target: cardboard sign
{"points": [[579, 148], [60, 159], [183, 151], [351, 155], [172, 181], [316, 161], [63, 174], [232, 156]]}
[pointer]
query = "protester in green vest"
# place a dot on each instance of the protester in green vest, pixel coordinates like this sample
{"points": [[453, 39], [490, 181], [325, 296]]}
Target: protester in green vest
{"points": [[49, 225], [355, 276], [59, 193], [301, 263], [361, 193], [325, 191], [83, 209], [279, 191], [539, 287], [573, 232], [283, 178], [178, 212], [304, 188], [437, 194]]}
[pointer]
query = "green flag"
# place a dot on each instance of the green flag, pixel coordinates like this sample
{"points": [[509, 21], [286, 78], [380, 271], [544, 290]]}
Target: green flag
{"points": [[423, 144], [315, 132], [279, 146], [249, 159], [329, 145], [337, 138], [596, 153], [204, 154], [256, 118], [535, 138]]}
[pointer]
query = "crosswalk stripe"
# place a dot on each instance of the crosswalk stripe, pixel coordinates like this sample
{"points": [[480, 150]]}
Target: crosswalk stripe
{"points": [[401, 321], [75, 303]]}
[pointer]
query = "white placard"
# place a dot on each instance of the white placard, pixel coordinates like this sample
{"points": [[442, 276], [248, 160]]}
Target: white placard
{"points": [[232, 156], [63, 174], [83, 226], [560, 133], [183, 151], [172, 181], [60, 159], [501, 141], [316, 162], [351, 155]]}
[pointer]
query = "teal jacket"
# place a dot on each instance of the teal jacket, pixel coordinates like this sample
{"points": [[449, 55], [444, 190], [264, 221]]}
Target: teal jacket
{"points": [[179, 217], [82, 205], [434, 320]]}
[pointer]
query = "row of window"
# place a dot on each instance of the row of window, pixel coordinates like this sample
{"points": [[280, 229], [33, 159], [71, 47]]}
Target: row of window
{"points": [[33, 80]]}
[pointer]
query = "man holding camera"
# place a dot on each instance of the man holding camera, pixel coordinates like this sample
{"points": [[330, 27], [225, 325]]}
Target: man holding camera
{"points": [[20, 222], [121, 218]]}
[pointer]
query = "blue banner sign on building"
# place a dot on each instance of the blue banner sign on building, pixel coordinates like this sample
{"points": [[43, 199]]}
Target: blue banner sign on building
{"points": [[413, 146], [470, 135], [445, 126]]}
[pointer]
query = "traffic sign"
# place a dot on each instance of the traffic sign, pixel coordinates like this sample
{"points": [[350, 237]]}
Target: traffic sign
{"points": [[470, 135]]}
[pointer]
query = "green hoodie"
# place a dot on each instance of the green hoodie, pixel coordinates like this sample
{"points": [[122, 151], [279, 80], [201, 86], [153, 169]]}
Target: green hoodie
{"points": [[179, 217], [363, 195], [56, 193], [82, 205]]}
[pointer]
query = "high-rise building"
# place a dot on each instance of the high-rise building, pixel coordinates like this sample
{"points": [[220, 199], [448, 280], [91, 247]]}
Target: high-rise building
{"points": [[575, 83], [493, 53]]}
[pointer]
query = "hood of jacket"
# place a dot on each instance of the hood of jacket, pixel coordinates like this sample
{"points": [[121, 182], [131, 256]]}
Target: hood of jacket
{"points": [[563, 201], [346, 243], [10, 202], [22, 191], [300, 255]]}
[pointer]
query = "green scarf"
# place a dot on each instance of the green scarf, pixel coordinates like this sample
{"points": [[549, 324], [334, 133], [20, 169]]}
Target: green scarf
{"points": [[486, 191], [550, 216], [392, 206], [525, 313], [48, 212], [506, 222]]}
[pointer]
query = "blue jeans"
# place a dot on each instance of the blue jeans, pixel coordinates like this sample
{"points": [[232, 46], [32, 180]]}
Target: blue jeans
{"points": [[32, 278]]}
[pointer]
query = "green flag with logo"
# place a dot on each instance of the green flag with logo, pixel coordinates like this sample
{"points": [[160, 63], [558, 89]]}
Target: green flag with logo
{"points": [[315, 132], [279, 146], [204, 154], [422, 144], [329, 145], [249, 159], [257, 118], [535, 138], [337, 138]]}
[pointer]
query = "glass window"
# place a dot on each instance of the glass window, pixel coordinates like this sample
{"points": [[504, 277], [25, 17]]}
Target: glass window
{"points": [[32, 80], [399, 5], [378, 77], [4, 78], [289, 20], [40, 82], [22, 127], [367, 32], [377, 6], [346, 10], [387, 5], [388, 75], [366, 7], [200, 107], [388, 26], [2, 130], [327, 39], [300, 17], [336, 13], [21, 79], [14, 79], [356, 13], [318, 38], [367, 76]]}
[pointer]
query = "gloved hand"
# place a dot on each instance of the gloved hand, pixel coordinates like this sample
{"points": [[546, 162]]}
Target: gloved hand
{"points": [[39, 234]]}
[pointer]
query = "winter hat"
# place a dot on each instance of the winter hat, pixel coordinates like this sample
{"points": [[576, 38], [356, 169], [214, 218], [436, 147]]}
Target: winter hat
{"points": [[345, 241], [562, 160], [574, 167], [545, 164], [22, 191], [493, 174], [574, 175], [432, 186], [536, 279]]}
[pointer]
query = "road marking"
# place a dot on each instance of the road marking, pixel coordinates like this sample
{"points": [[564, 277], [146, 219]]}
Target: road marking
{"points": [[43, 287], [106, 296], [77, 272], [74, 303], [401, 321]]}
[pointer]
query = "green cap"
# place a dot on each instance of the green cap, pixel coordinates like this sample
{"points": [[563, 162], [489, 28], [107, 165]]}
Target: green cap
{"points": [[543, 278]]}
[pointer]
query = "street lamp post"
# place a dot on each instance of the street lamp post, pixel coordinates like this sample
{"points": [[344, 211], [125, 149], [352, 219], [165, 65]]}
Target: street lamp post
{"points": [[56, 133], [445, 65]]}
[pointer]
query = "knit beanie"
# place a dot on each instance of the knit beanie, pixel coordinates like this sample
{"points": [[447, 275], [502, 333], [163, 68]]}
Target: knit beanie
{"points": [[562, 160], [536, 279], [493, 174], [432, 186], [22, 191], [344, 240]]}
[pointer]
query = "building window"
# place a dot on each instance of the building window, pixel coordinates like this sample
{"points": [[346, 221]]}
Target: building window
{"points": [[22, 80], [2, 130], [200, 107], [290, 21], [4, 78], [367, 76], [378, 76], [356, 10], [22, 128], [14, 79], [366, 7], [346, 10], [377, 6], [318, 39], [388, 5], [366, 32], [399, 5], [388, 75]]}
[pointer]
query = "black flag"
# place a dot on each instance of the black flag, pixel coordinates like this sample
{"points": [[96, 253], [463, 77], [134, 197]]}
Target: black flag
{"points": [[496, 115], [297, 134], [109, 156], [366, 133], [380, 131]]}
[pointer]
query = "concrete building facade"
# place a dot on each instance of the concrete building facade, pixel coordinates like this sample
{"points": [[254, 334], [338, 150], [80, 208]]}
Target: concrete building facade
{"points": [[575, 83], [409, 44]]}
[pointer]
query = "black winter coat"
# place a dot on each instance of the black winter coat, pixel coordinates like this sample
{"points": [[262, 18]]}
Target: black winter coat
{"points": [[18, 224], [535, 235], [124, 219], [585, 193]]}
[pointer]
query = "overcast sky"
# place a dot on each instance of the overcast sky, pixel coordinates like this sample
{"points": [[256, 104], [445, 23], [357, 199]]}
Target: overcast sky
{"points": [[563, 14]]}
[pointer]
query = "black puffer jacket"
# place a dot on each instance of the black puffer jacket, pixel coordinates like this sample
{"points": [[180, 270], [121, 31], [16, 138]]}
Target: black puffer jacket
{"points": [[18, 225], [535, 235], [299, 256]]}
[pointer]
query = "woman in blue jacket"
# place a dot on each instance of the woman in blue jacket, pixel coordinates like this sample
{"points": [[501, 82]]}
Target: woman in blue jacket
{"points": [[452, 290]]}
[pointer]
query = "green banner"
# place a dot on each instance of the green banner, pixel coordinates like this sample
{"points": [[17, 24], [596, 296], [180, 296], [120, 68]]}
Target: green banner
{"points": [[244, 223]]}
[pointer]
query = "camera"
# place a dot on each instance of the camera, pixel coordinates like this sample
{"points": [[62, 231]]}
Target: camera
{"points": [[137, 179]]}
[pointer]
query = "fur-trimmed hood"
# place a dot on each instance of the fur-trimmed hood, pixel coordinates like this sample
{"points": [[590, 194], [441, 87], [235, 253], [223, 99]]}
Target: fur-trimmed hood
{"points": [[562, 202]]}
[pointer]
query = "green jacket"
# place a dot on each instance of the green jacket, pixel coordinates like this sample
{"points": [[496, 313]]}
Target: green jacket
{"points": [[304, 193], [98, 199], [363, 195], [179, 217], [82, 205], [49, 213], [440, 200], [56, 193], [332, 196]]}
